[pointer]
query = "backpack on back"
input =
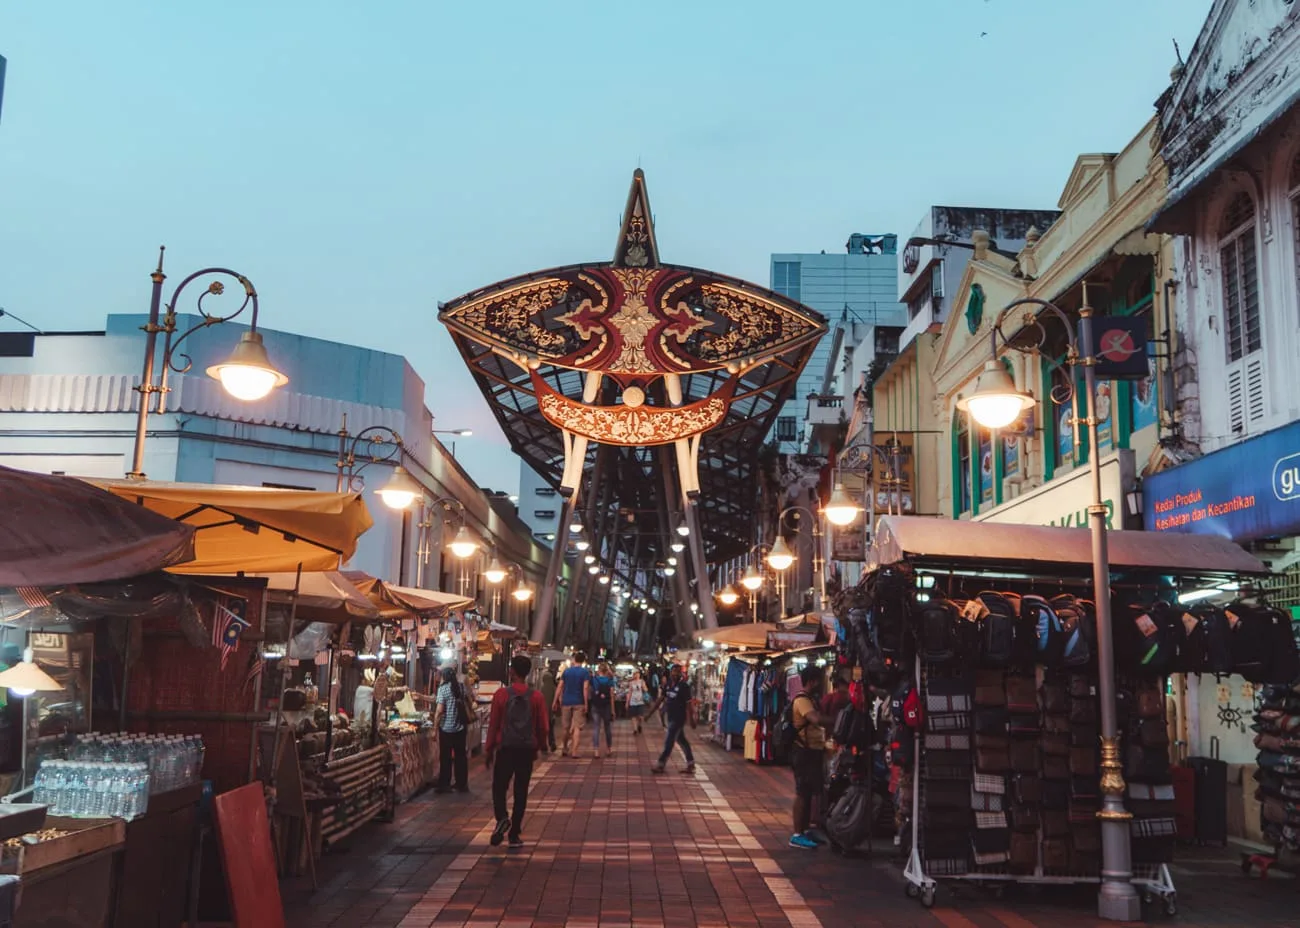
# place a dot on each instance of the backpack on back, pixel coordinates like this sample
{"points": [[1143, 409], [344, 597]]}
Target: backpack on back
{"points": [[517, 730], [784, 734]]}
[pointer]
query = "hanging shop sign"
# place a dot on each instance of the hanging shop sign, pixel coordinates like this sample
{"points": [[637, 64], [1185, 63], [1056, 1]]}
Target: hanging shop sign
{"points": [[900, 489], [1247, 491], [1119, 344], [849, 542], [1064, 501], [788, 641]]}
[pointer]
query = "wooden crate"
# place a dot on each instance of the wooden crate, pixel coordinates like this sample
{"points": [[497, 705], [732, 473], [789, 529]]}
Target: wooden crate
{"points": [[88, 836]]}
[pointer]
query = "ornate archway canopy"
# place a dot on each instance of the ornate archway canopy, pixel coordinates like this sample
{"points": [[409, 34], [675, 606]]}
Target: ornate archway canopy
{"points": [[633, 355]]}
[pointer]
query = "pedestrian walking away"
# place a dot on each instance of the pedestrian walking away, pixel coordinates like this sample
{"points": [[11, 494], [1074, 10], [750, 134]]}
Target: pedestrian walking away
{"points": [[517, 732], [636, 701], [676, 702], [548, 696], [451, 720], [808, 757], [573, 701], [602, 709]]}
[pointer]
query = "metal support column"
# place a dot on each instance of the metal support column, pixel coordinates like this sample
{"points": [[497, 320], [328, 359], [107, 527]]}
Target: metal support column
{"points": [[703, 589], [546, 598]]}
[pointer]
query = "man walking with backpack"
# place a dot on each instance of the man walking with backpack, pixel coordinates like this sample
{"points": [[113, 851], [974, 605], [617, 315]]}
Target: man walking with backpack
{"points": [[807, 755], [676, 700], [517, 731]]}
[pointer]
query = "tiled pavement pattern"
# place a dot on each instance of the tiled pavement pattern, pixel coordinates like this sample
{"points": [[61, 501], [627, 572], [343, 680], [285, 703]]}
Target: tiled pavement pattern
{"points": [[611, 845]]}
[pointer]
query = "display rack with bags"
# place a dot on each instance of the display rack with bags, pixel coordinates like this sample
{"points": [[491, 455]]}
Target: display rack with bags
{"points": [[997, 618]]}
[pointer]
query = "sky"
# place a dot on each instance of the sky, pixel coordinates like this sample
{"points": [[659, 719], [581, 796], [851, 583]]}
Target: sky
{"points": [[361, 162]]}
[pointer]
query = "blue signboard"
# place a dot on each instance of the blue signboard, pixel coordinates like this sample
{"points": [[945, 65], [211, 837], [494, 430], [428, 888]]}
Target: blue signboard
{"points": [[1248, 491]]}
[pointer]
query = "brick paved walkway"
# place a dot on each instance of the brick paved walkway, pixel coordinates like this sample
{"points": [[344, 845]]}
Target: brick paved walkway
{"points": [[611, 845]]}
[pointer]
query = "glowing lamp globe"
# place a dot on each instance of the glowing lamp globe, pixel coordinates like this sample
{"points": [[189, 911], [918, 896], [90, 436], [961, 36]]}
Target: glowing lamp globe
{"points": [[780, 557], [729, 596], [995, 402], [463, 545], [752, 580], [495, 572], [522, 593], [401, 489], [248, 373], [841, 509], [683, 529]]}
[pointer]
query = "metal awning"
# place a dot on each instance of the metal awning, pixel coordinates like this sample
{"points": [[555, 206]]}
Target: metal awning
{"points": [[974, 544]]}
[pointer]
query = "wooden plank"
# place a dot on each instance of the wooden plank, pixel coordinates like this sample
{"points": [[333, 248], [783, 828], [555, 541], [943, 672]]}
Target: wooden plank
{"points": [[249, 862]]}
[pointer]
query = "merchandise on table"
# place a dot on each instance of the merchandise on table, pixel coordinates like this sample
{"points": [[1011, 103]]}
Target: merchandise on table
{"points": [[87, 789]]}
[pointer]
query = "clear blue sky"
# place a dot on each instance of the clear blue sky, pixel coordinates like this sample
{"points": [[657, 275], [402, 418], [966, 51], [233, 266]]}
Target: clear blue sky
{"points": [[361, 161]]}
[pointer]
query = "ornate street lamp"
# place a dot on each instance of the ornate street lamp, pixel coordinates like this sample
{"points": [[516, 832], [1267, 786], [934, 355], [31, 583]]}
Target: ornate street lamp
{"points": [[995, 403], [247, 374], [841, 509]]}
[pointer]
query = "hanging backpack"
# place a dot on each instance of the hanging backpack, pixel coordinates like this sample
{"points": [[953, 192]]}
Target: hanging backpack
{"points": [[1049, 634], [997, 629], [1159, 635], [1207, 641], [853, 728], [938, 628], [1079, 645], [1279, 663]]}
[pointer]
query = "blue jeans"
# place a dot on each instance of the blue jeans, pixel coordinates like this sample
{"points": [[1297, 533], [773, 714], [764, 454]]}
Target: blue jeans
{"points": [[600, 720], [676, 735]]}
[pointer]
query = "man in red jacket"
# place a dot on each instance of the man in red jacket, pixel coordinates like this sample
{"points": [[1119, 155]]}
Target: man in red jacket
{"points": [[517, 731]]}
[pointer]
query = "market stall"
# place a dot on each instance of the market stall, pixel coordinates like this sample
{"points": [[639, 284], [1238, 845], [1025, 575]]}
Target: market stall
{"points": [[986, 636]]}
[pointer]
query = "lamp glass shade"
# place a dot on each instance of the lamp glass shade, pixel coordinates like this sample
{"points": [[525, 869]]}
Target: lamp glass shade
{"points": [[575, 524], [669, 571], [495, 572], [729, 596], [463, 545], [995, 403], [589, 559], [582, 544], [248, 373], [678, 547], [683, 529], [25, 678], [522, 593], [604, 580], [841, 509], [780, 557], [400, 491], [593, 569], [752, 580]]}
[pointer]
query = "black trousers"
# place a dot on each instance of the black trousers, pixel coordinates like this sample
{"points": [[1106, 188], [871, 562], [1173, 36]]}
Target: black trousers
{"points": [[512, 764], [451, 750]]}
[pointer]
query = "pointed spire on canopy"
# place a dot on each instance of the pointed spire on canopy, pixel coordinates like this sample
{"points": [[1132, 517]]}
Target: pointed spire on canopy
{"points": [[636, 239]]}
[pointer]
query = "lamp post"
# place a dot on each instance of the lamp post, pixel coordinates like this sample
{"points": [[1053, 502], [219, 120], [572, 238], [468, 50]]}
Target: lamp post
{"points": [[380, 444], [752, 579], [246, 375], [996, 403], [781, 557], [496, 573]]}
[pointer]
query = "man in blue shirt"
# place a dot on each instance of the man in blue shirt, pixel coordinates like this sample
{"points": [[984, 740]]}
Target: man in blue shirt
{"points": [[676, 699], [572, 699]]}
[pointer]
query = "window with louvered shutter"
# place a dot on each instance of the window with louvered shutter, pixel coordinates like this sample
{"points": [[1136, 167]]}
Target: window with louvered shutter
{"points": [[1239, 267], [1295, 215]]}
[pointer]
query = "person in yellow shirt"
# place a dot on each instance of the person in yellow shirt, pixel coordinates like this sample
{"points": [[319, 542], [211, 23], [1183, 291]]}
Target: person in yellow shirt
{"points": [[808, 756]]}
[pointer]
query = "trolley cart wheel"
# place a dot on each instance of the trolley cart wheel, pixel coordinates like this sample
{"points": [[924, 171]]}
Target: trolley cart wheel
{"points": [[911, 890], [927, 897], [1147, 897], [1171, 905]]}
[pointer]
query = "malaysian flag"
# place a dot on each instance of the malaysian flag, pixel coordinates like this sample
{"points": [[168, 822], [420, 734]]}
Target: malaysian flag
{"points": [[228, 625]]}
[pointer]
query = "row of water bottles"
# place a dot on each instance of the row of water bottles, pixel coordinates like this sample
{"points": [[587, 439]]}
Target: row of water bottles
{"points": [[93, 790], [173, 761]]}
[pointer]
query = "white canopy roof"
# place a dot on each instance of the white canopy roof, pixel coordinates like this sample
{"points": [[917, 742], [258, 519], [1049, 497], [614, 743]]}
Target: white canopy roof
{"points": [[900, 537]]}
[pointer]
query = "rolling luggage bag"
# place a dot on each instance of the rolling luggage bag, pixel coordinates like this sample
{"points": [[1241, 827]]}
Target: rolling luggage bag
{"points": [[1211, 796]]}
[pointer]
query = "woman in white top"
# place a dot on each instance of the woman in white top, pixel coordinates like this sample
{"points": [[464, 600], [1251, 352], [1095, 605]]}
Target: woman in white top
{"points": [[636, 700]]}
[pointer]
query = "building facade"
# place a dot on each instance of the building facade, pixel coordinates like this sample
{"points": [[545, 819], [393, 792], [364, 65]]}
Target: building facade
{"points": [[858, 291], [67, 405], [539, 506], [1230, 134]]}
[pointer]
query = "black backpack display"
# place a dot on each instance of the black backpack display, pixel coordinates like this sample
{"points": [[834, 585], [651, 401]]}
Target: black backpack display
{"points": [[853, 728], [1207, 641], [1080, 626], [997, 630], [938, 630], [1249, 640], [1049, 635]]}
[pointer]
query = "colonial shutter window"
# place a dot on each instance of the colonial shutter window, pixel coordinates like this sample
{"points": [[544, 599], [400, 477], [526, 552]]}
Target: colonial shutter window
{"points": [[1294, 185], [1243, 335]]}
